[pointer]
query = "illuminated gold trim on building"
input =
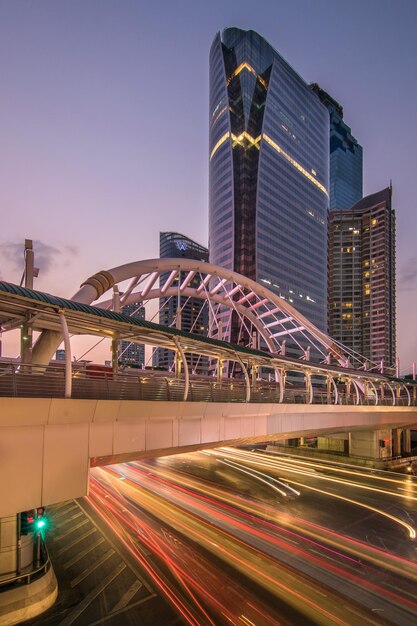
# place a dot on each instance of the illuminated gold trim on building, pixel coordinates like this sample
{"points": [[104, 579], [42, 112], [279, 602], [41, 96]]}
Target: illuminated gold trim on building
{"points": [[246, 66], [222, 139], [237, 139], [293, 162], [252, 140]]}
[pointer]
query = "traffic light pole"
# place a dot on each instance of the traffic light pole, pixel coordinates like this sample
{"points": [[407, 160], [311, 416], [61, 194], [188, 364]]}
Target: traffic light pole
{"points": [[18, 546], [38, 548]]}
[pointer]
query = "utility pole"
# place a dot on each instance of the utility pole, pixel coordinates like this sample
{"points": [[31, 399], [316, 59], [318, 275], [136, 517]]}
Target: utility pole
{"points": [[29, 274]]}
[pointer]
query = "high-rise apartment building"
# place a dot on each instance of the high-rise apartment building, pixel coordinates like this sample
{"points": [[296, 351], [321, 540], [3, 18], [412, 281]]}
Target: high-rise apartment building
{"points": [[346, 171], [132, 354], [194, 315], [269, 173], [362, 277]]}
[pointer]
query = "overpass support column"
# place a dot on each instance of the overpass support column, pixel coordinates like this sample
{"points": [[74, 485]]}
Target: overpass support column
{"points": [[8, 546], [396, 442], [16, 552], [406, 441], [371, 444]]}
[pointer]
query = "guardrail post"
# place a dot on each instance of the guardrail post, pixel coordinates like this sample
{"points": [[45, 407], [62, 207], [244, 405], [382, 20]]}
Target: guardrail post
{"points": [[185, 364], [14, 381], [309, 387], [219, 370], [246, 375], [282, 382]]}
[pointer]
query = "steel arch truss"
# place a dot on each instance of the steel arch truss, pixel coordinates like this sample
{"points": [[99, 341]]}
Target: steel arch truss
{"points": [[258, 308]]}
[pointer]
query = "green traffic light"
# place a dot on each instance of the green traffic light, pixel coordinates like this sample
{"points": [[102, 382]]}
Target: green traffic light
{"points": [[40, 524]]}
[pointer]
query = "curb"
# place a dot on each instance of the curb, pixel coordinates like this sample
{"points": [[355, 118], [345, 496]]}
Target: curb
{"points": [[22, 603]]}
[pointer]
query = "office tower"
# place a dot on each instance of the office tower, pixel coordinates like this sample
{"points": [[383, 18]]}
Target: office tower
{"points": [[268, 178], [346, 184], [132, 354], [60, 355], [362, 277], [194, 314]]}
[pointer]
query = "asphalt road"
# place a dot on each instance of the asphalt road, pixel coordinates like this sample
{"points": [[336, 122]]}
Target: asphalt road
{"points": [[237, 537]]}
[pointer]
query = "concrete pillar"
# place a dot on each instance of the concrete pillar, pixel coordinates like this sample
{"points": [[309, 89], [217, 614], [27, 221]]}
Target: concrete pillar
{"points": [[371, 444], [8, 546], [396, 442], [406, 441], [16, 553]]}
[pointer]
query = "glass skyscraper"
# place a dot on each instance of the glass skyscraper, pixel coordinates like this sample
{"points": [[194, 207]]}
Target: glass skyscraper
{"points": [[132, 354], [269, 173], [194, 315], [346, 178]]}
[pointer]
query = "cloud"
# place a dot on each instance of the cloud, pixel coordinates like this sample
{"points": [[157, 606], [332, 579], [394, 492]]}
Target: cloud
{"points": [[45, 256], [407, 276]]}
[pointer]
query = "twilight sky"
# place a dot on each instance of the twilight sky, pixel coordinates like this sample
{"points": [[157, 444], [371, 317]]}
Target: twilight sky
{"points": [[104, 123]]}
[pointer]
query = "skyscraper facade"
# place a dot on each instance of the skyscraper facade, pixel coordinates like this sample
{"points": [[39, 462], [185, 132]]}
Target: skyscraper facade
{"points": [[132, 354], [269, 172], [193, 315], [362, 277], [346, 157]]}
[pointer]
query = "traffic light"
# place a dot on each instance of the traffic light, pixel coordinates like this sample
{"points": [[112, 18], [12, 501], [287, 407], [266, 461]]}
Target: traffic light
{"points": [[40, 521], [26, 522]]}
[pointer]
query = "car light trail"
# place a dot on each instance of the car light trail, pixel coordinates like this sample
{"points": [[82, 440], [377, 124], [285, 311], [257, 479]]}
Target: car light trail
{"points": [[410, 529], [239, 555]]}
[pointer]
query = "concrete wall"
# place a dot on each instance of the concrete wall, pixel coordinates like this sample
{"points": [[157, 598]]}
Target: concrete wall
{"points": [[47, 444], [8, 547]]}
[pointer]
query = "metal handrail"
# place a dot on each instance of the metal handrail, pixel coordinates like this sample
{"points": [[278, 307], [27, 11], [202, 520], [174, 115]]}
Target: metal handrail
{"points": [[98, 382], [29, 577]]}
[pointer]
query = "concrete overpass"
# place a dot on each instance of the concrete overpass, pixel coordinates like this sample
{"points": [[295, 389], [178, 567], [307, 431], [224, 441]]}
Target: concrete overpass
{"points": [[47, 445], [57, 421]]}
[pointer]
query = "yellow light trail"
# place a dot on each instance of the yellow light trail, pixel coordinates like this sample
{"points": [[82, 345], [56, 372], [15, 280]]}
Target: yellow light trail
{"points": [[410, 529], [328, 537], [276, 578]]}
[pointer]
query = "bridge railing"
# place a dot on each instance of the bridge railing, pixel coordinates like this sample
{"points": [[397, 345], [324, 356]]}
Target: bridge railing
{"points": [[34, 381]]}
